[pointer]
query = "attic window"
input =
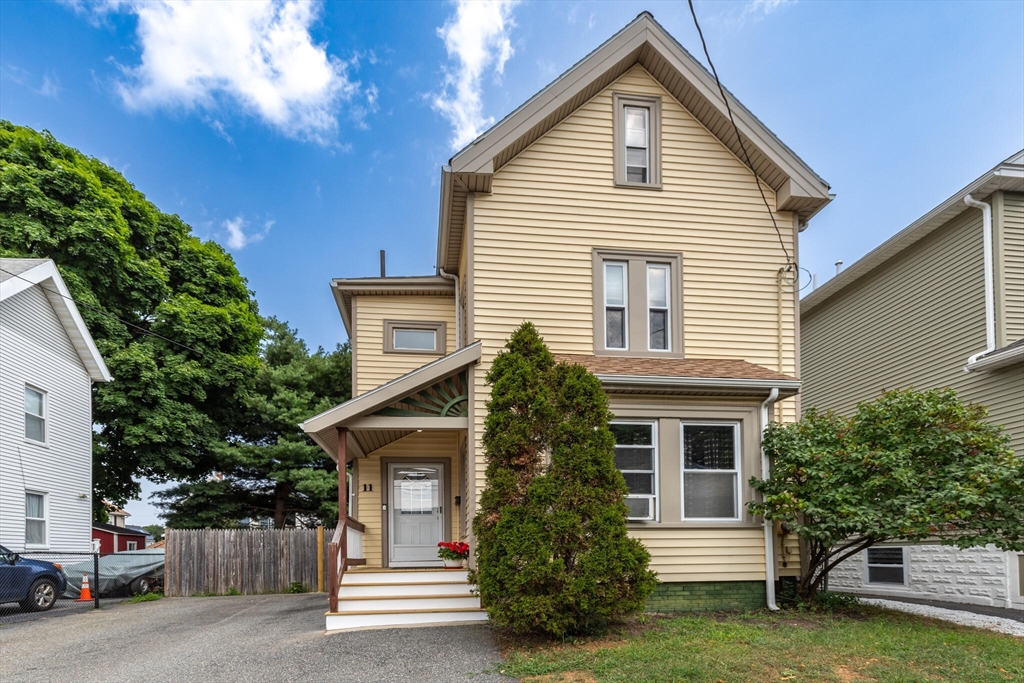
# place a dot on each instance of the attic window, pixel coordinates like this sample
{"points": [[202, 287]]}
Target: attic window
{"points": [[637, 141], [422, 337]]}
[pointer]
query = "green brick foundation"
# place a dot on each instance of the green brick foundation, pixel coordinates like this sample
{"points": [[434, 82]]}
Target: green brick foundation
{"points": [[707, 596]]}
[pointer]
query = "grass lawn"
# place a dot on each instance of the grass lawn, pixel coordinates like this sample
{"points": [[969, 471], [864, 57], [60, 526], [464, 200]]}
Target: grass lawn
{"points": [[863, 644]]}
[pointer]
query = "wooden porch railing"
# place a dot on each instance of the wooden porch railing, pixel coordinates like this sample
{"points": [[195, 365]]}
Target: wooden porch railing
{"points": [[344, 550]]}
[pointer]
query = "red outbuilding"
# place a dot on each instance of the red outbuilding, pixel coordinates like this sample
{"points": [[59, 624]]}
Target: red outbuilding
{"points": [[117, 539]]}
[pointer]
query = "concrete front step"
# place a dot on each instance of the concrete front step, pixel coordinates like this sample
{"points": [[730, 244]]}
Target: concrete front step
{"points": [[347, 621], [363, 576], [408, 603], [359, 590]]}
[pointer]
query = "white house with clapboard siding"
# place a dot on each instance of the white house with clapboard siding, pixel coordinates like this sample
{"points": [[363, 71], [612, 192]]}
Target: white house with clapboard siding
{"points": [[614, 212], [48, 362], [940, 304]]}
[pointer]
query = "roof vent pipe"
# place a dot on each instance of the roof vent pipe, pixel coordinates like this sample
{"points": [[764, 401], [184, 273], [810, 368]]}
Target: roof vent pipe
{"points": [[769, 528], [458, 308], [990, 298], [839, 266], [383, 271]]}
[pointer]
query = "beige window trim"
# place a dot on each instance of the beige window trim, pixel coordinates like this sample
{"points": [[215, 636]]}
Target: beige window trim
{"points": [[670, 456], [653, 104], [439, 327], [636, 310]]}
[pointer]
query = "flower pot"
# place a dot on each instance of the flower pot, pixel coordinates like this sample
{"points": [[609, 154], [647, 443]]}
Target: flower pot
{"points": [[453, 564]]}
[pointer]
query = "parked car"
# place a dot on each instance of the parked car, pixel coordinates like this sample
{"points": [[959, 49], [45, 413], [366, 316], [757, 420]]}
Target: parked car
{"points": [[33, 584], [134, 572]]}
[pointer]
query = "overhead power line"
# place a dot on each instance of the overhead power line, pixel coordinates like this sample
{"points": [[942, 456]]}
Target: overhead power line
{"points": [[143, 330], [790, 263]]}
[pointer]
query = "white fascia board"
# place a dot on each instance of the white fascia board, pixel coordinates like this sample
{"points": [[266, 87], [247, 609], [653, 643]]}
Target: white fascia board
{"points": [[699, 382], [48, 278]]}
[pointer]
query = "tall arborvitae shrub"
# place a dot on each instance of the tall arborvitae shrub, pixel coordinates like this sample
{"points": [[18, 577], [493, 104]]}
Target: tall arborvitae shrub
{"points": [[553, 555]]}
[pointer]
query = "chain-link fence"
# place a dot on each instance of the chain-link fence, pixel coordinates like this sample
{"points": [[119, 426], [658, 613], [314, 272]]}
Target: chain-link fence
{"points": [[35, 582]]}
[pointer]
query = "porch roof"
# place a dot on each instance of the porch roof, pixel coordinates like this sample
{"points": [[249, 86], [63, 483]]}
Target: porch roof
{"points": [[426, 398]]}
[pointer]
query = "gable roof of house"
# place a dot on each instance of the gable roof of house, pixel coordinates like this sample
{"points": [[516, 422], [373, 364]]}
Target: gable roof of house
{"points": [[1006, 175], [19, 274], [646, 43], [114, 529]]}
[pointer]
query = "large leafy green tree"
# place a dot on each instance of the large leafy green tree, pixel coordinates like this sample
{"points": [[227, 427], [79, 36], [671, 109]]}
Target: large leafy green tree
{"points": [[553, 554], [171, 315], [268, 468], [907, 466]]}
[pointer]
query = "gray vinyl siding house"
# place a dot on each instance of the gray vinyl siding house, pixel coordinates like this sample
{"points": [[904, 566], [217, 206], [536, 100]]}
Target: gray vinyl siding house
{"points": [[912, 313], [48, 363]]}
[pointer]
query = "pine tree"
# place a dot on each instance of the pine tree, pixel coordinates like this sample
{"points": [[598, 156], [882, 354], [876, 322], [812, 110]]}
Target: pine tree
{"points": [[553, 554]]}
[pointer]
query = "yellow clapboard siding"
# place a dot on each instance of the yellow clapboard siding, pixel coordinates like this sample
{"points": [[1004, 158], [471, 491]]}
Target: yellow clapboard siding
{"points": [[722, 554], [374, 367]]}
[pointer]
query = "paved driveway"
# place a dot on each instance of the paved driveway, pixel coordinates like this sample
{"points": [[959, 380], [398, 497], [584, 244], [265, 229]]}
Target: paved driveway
{"points": [[248, 638]]}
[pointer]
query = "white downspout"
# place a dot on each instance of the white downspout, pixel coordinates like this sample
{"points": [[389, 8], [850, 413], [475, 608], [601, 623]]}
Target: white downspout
{"points": [[458, 309], [990, 297], [769, 531]]}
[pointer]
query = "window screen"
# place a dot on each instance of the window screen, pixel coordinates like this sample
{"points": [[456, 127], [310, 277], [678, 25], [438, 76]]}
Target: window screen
{"points": [[636, 456], [885, 565], [710, 471]]}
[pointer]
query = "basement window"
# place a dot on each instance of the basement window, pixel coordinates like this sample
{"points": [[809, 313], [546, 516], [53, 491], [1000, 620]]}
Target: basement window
{"points": [[887, 565]]}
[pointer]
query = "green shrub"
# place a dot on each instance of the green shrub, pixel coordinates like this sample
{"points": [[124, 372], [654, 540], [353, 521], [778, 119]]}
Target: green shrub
{"points": [[297, 587], [553, 554]]}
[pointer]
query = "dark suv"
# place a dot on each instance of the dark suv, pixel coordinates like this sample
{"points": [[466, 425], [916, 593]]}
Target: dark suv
{"points": [[33, 584]]}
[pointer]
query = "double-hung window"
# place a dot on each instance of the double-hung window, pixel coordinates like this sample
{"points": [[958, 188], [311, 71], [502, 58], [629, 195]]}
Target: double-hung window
{"points": [[637, 141], [616, 300], [35, 415], [711, 471], [658, 285], [35, 519], [636, 456], [886, 565], [637, 302]]}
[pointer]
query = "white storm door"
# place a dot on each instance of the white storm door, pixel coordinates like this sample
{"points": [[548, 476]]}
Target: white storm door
{"points": [[415, 514]]}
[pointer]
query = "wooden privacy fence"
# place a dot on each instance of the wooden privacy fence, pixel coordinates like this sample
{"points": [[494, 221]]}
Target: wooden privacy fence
{"points": [[247, 561]]}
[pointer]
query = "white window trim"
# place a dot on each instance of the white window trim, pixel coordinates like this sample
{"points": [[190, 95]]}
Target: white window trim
{"points": [[868, 565], [132, 543], [667, 267], [738, 470], [655, 506], [625, 304], [45, 518], [46, 415]]}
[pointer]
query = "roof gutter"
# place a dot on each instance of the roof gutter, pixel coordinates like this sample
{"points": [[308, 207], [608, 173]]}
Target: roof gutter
{"points": [[990, 305], [701, 382], [443, 216], [769, 535]]}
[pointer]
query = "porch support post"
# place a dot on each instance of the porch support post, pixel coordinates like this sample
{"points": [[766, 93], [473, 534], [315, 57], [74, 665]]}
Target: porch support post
{"points": [[342, 484]]}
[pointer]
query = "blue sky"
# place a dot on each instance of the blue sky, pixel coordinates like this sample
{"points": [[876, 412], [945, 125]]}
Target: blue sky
{"points": [[307, 137]]}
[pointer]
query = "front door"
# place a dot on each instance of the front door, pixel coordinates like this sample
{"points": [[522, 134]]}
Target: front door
{"points": [[416, 514]]}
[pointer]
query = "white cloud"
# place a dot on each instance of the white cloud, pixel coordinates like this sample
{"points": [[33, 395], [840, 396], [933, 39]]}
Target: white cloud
{"points": [[477, 40], [238, 238], [257, 55], [762, 8]]}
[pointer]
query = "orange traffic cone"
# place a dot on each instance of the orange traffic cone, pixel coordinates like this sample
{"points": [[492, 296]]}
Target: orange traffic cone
{"points": [[86, 595]]}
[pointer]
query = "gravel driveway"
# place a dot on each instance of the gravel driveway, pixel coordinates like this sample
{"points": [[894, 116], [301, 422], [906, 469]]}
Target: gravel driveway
{"points": [[247, 638]]}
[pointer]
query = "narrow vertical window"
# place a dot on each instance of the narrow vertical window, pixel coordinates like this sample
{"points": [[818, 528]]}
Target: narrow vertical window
{"points": [[636, 456], [710, 471], [638, 152], [35, 519], [35, 415], [657, 307], [615, 298]]}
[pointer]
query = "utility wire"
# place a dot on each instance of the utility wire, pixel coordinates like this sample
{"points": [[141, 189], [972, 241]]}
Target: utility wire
{"points": [[790, 263], [143, 330]]}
